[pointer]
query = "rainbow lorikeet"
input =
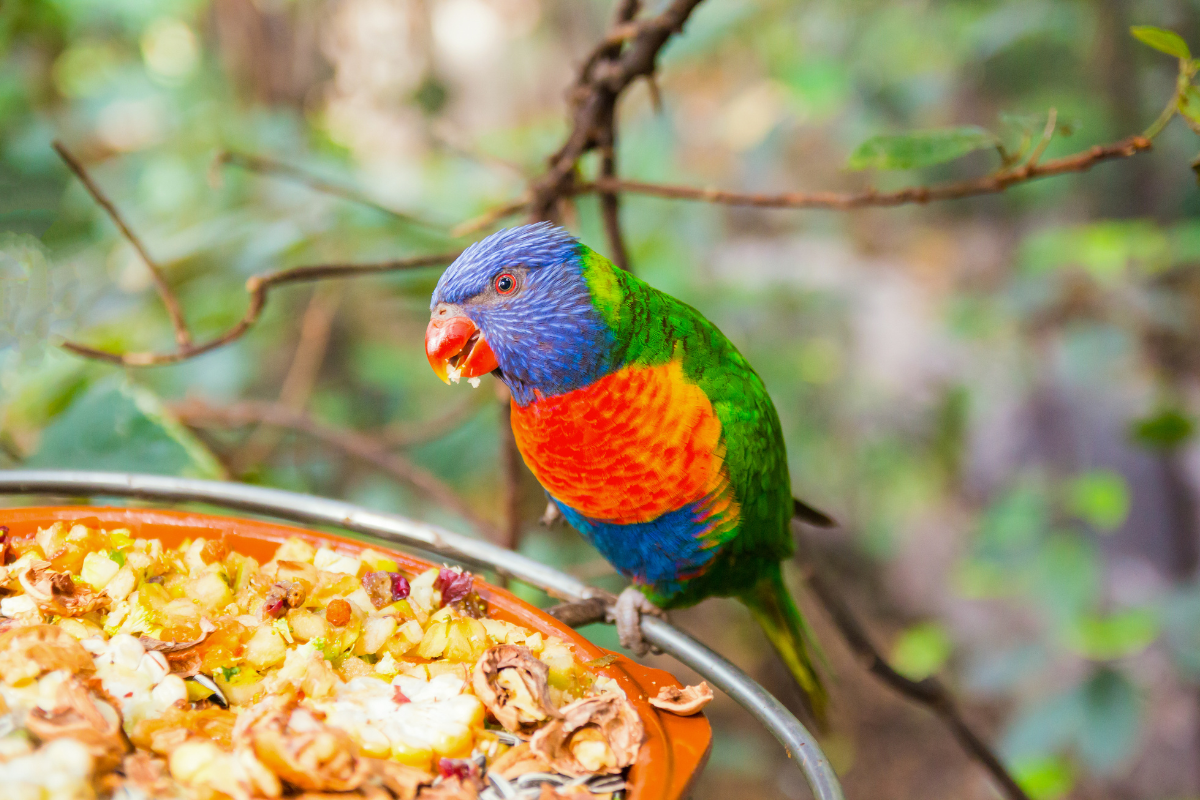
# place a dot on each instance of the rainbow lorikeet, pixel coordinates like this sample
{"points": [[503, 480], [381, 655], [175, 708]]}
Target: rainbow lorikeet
{"points": [[650, 432]]}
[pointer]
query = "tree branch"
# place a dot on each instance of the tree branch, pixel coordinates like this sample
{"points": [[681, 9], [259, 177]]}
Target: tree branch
{"points": [[844, 201], [182, 337], [269, 166], [930, 692], [199, 414], [316, 326], [259, 287], [600, 83]]}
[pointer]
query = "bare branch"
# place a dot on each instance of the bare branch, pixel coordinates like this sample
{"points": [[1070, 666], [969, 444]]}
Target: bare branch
{"points": [[407, 434], [316, 326], [930, 692], [510, 472], [610, 202], [600, 83], [269, 166], [842, 201], [197, 413], [182, 337], [259, 287], [489, 218]]}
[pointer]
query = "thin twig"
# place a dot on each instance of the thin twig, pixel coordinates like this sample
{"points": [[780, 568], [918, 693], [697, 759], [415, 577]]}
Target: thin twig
{"points": [[930, 692], [407, 434], [259, 288], [988, 184], [182, 337], [269, 166], [316, 326], [510, 473], [610, 202], [197, 413], [489, 218], [601, 82]]}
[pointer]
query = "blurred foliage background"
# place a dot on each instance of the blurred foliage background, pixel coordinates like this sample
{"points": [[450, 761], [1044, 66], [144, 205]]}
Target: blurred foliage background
{"points": [[994, 396]]}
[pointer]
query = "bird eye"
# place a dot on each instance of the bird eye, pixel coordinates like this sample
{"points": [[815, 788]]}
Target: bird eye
{"points": [[505, 283]]}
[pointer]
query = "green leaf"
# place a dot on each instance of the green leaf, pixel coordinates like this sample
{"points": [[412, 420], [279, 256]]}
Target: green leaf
{"points": [[1115, 636], [1112, 716], [1166, 429], [1100, 498], [117, 556], [1045, 777], [921, 651], [1164, 41], [920, 148], [122, 427], [1189, 106]]}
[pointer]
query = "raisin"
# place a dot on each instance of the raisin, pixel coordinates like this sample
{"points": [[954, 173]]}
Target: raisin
{"points": [[337, 613], [379, 588]]}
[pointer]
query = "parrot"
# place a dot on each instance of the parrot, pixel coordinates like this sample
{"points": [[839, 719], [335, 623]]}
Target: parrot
{"points": [[651, 434]]}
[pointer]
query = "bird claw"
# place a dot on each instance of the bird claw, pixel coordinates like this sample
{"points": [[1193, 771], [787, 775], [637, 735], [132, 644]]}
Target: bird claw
{"points": [[550, 516], [627, 614]]}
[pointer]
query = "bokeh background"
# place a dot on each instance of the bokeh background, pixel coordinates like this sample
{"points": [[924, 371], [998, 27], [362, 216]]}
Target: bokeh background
{"points": [[994, 396]]}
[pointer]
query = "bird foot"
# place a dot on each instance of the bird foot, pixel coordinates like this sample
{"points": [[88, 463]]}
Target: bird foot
{"points": [[627, 614], [550, 516]]}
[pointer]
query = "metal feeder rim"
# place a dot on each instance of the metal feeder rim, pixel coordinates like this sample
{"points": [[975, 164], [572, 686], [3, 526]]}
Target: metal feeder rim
{"points": [[398, 530]]}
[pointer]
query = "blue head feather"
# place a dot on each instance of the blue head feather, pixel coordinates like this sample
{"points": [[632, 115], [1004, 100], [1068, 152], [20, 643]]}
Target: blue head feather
{"points": [[548, 338]]}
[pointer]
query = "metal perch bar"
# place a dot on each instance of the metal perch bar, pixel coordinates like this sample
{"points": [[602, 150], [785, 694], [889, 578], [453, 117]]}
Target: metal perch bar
{"points": [[398, 530]]}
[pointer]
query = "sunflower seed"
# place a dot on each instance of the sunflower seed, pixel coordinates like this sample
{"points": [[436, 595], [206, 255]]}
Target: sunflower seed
{"points": [[211, 685], [502, 787], [538, 778]]}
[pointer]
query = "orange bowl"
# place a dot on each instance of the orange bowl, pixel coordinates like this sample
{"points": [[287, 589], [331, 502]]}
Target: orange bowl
{"points": [[676, 747]]}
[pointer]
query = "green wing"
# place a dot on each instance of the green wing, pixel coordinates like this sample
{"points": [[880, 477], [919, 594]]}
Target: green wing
{"points": [[653, 328]]}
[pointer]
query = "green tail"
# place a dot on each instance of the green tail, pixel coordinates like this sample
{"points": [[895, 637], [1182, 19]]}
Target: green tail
{"points": [[772, 606]]}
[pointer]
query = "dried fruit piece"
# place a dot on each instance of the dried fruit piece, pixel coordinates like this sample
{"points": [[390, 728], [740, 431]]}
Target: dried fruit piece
{"points": [[595, 735], [513, 684], [379, 589], [685, 700], [214, 550], [337, 613], [459, 768], [400, 587], [454, 584], [27, 652]]}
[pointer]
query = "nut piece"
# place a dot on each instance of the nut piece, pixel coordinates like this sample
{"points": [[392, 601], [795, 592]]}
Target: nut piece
{"points": [[512, 683], [57, 593], [401, 780], [516, 761], [77, 715], [316, 758], [595, 735], [684, 701], [27, 652]]}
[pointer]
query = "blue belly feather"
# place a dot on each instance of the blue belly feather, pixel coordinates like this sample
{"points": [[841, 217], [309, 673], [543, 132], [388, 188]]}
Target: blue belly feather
{"points": [[661, 553]]}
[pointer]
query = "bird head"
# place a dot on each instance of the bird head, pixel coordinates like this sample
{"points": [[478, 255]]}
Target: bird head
{"points": [[518, 304]]}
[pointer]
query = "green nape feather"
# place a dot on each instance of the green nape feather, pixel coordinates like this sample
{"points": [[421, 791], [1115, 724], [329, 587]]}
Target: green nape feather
{"points": [[653, 328]]}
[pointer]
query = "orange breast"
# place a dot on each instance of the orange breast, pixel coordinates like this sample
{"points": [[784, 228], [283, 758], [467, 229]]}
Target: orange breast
{"points": [[628, 448]]}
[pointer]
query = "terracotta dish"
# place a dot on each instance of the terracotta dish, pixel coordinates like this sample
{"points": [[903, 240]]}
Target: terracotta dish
{"points": [[676, 747]]}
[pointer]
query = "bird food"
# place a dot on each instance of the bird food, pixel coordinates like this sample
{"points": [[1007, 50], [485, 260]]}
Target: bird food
{"points": [[129, 670]]}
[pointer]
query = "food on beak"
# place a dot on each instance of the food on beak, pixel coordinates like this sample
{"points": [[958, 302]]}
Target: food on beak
{"points": [[456, 349]]}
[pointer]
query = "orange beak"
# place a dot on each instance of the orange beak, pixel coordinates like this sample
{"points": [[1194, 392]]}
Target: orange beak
{"points": [[456, 349]]}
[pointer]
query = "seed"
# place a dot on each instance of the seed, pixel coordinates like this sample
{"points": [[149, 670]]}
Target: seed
{"points": [[337, 613]]}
